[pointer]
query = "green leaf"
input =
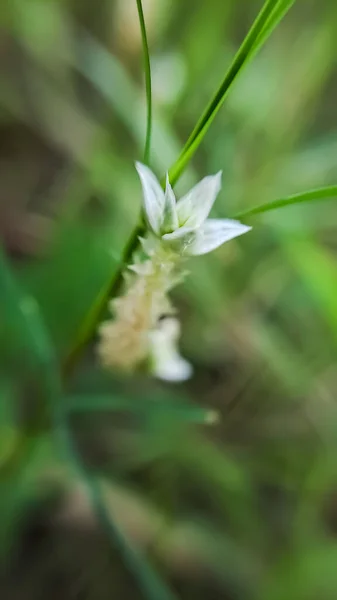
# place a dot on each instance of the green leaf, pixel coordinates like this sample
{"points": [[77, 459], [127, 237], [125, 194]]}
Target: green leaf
{"points": [[316, 195], [270, 15], [277, 14], [159, 406], [147, 70]]}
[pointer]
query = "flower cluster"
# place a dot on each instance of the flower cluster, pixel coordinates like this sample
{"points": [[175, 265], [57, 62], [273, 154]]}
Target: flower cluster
{"points": [[184, 225], [176, 230]]}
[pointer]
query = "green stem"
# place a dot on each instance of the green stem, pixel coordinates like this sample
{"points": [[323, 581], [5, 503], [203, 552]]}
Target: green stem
{"points": [[148, 84], [88, 328], [95, 313], [309, 196], [234, 69], [270, 15]]}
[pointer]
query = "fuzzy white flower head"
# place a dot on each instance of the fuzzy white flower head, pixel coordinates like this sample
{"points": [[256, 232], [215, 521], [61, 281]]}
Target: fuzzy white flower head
{"points": [[166, 362], [184, 224]]}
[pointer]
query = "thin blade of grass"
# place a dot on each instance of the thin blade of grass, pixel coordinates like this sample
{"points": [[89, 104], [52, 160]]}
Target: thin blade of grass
{"points": [[268, 18], [178, 408], [148, 84], [94, 313], [315, 195], [274, 19]]}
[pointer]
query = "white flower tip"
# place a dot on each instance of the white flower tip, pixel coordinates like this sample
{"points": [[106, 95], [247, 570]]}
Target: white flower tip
{"points": [[213, 234], [168, 189], [216, 181], [170, 219], [144, 268], [141, 169], [218, 177], [194, 208], [153, 197], [145, 173], [174, 371], [139, 166], [242, 228], [167, 364]]}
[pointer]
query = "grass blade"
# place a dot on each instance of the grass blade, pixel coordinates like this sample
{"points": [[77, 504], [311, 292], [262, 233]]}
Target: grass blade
{"points": [[315, 195], [270, 15], [158, 406], [148, 84], [275, 17]]}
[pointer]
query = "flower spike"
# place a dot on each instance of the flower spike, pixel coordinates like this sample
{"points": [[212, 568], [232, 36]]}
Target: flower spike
{"points": [[176, 230]]}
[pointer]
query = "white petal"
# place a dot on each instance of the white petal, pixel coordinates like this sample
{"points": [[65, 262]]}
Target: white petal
{"points": [[180, 233], [148, 244], [166, 361], [144, 268], [153, 197], [180, 239], [194, 208], [170, 221], [177, 369], [213, 233]]}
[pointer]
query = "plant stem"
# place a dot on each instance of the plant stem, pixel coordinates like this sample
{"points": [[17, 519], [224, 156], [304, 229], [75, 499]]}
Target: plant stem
{"points": [[309, 196], [148, 84], [112, 288], [239, 60]]}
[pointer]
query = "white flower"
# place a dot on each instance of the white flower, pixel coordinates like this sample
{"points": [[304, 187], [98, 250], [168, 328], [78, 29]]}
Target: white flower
{"points": [[183, 225], [166, 362]]}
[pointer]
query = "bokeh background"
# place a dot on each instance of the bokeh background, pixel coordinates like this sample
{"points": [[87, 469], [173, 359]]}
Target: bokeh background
{"points": [[240, 508]]}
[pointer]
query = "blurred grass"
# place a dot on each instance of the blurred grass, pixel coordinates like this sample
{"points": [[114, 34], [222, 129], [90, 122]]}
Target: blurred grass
{"points": [[259, 315]]}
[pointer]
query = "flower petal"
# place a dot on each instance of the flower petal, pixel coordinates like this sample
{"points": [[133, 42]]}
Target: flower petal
{"points": [[175, 369], [195, 206], [170, 221], [153, 197], [180, 233], [214, 233], [166, 361], [180, 239]]}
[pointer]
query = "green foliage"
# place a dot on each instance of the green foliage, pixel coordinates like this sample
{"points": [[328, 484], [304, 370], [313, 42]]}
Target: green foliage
{"points": [[271, 13], [147, 71], [310, 196]]}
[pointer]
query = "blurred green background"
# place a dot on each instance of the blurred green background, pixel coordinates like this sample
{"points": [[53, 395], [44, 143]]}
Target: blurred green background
{"points": [[242, 508]]}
